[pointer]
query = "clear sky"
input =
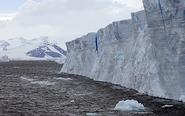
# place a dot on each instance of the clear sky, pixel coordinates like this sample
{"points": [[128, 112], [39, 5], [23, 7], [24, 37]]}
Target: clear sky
{"points": [[61, 20], [10, 5], [9, 8]]}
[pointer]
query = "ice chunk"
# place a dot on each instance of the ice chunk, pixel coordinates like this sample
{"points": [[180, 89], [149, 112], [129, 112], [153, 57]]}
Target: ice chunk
{"points": [[129, 105], [166, 106], [72, 101], [64, 79]]}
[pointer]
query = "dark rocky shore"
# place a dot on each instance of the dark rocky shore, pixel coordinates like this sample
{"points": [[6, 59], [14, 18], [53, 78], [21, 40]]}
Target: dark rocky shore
{"points": [[35, 88]]}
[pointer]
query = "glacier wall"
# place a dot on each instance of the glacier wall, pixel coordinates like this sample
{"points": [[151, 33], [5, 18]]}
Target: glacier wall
{"points": [[146, 53]]}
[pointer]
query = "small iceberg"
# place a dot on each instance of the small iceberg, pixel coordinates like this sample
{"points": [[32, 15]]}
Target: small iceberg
{"points": [[130, 105], [167, 106]]}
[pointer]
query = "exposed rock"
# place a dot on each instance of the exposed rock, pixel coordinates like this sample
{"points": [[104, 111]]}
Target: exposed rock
{"points": [[46, 50]]}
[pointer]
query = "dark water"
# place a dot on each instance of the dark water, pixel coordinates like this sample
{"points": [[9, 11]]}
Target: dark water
{"points": [[35, 88]]}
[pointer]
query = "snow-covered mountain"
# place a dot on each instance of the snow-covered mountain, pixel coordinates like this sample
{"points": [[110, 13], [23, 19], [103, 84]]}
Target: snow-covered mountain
{"points": [[35, 49]]}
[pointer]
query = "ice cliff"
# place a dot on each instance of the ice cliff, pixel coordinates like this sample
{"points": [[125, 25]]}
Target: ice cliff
{"points": [[146, 53]]}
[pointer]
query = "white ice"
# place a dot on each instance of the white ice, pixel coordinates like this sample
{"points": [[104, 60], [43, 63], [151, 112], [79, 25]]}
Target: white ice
{"points": [[166, 106], [129, 105], [64, 79], [137, 53]]}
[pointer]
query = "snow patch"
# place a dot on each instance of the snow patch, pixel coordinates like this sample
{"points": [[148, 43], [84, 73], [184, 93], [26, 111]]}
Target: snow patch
{"points": [[129, 105]]}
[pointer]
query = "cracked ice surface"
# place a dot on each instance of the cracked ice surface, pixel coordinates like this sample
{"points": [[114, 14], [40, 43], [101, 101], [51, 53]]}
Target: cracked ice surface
{"points": [[146, 53]]}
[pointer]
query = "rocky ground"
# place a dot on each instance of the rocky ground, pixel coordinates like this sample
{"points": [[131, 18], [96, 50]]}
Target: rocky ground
{"points": [[35, 88]]}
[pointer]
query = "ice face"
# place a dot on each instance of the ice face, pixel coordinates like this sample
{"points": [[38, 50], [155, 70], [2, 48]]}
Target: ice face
{"points": [[145, 53]]}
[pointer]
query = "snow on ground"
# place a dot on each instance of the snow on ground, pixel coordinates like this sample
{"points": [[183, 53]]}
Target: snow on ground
{"points": [[129, 105]]}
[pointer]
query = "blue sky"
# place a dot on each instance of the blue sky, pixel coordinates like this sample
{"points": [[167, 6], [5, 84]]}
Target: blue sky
{"points": [[10, 5]]}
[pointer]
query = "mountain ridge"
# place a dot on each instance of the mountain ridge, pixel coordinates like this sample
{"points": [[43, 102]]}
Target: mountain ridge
{"points": [[40, 48]]}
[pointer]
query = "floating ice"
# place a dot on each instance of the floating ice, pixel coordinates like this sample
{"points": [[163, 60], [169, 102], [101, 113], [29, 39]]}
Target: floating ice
{"points": [[26, 78], [43, 83], [72, 101], [64, 79], [129, 105], [83, 94], [91, 114], [166, 106]]}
